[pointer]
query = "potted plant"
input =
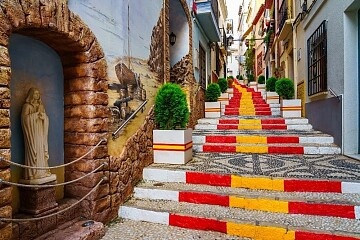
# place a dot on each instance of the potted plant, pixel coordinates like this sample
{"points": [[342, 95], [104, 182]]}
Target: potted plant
{"points": [[289, 107], [212, 106], [252, 82], [230, 89], [261, 84], [271, 95], [224, 97], [241, 79], [172, 142]]}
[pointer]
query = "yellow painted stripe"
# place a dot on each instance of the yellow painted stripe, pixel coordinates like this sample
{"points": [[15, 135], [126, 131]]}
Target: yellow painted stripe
{"points": [[259, 232], [172, 147], [251, 139], [257, 183], [250, 127], [223, 99], [272, 97], [252, 149], [212, 109], [267, 205], [290, 108], [250, 121]]}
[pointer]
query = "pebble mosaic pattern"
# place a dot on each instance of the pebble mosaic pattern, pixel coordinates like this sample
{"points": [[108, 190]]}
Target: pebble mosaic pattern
{"points": [[290, 166]]}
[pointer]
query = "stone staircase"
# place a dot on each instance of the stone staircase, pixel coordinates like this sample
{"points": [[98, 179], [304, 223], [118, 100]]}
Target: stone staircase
{"points": [[255, 176]]}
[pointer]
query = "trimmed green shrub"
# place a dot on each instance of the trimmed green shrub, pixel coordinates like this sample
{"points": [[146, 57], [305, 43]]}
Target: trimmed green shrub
{"points": [[171, 107], [223, 84], [212, 92], [241, 77], [230, 82], [232, 77], [251, 78], [285, 88], [270, 84], [261, 79]]}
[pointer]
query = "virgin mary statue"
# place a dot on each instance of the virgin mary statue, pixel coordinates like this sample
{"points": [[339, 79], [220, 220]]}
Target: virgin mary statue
{"points": [[35, 125]]}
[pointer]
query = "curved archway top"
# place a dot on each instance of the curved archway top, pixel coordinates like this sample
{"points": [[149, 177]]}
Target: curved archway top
{"points": [[52, 22]]}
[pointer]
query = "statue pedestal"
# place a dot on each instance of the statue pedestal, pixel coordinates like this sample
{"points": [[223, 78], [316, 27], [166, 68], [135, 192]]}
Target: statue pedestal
{"points": [[38, 201]]}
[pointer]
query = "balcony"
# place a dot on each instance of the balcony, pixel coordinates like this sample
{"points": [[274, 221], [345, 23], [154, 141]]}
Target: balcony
{"points": [[285, 21], [207, 15]]}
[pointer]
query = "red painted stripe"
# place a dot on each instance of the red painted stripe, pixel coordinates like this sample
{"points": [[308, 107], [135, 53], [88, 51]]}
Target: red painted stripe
{"points": [[228, 121], [332, 210], [286, 150], [311, 186], [208, 179], [300, 235], [204, 198], [219, 148], [226, 126], [220, 139], [263, 113], [274, 126], [273, 121], [197, 223], [282, 139]]}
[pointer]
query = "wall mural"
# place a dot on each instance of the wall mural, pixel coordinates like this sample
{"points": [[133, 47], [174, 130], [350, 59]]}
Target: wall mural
{"points": [[131, 35]]}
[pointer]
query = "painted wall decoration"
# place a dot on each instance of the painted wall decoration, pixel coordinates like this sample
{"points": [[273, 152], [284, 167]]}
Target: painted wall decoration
{"points": [[131, 35]]}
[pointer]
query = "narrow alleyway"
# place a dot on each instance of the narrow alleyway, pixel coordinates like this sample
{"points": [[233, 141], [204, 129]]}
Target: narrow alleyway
{"points": [[254, 175]]}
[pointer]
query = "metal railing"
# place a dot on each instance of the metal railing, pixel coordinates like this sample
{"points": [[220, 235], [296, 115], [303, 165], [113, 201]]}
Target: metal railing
{"points": [[141, 107], [283, 14]]}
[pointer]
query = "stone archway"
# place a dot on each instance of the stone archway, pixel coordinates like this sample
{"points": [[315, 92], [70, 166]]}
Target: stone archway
{"points": [[85, 98]]}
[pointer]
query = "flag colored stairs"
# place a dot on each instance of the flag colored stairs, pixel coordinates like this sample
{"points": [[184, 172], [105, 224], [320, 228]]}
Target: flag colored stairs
{"points": [[253, 207], [247, 102], [249, 126], [202, 196]]}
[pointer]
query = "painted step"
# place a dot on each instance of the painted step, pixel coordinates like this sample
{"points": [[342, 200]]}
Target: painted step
{"points": [[293, 148], [290, 185], [302, 127], [212, 196], [252, 224], [327, 139], [255, 120]]}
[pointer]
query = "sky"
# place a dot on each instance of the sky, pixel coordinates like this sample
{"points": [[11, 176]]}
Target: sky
{"points": [[233, 9]]}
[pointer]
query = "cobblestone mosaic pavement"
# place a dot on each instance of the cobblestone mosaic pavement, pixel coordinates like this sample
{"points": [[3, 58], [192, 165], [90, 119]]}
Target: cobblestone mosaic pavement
{"points": [[290, 166], [132, 230]]}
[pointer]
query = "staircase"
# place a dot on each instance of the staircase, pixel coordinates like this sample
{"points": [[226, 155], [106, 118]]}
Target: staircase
{"points": [[255, 175]]}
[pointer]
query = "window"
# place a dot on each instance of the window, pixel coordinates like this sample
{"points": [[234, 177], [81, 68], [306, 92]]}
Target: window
{"points": [[202, 66], [317, 60]]}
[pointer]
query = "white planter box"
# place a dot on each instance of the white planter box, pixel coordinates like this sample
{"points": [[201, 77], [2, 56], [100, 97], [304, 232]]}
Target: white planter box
{"points": [[253, 85], [224, 99], [290, 108], [212, 109], [172, 146], [272, 97], [261, 88]]}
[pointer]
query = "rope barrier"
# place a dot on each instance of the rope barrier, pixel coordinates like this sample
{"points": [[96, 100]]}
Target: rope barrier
{"points": [[51, 185], [59, 166], [53, 214]]}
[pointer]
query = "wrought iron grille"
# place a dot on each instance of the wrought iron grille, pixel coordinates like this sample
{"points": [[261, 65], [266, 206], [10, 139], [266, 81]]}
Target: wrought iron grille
{"points": [[283, 14], [317, 60]]}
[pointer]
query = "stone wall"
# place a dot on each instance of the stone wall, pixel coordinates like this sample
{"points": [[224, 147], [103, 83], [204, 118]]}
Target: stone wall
{"points": [[126, 169], [156, 57], [86, 112], [182, 73]]}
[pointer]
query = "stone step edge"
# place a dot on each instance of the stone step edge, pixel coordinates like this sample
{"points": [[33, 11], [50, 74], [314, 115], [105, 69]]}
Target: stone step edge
{"points": [[251, 182], [253, 127], [258, 121], [256, 230], [262, 139], [306, 197], [247, 203], [267, 149]]}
